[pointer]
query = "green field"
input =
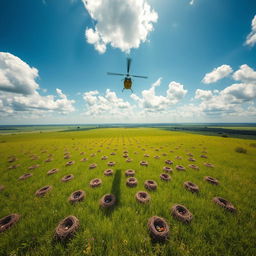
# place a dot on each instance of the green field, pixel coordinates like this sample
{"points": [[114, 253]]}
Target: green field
{"points": [[123, 230]]}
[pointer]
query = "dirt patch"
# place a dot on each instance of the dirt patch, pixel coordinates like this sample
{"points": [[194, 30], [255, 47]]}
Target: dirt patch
{"points": [[7, 221], [165, 177], [129, 173], [66, 228], [150, 185], [76, 196], [142, 197], [191, 186], [67, 178], [52, 171], [108, 172], [125, 155], [131, 182], [95, 182], [25, 176], [42, 191], [211, 180], [107, 201], [158, 229], [180, 212], [224, 203]]}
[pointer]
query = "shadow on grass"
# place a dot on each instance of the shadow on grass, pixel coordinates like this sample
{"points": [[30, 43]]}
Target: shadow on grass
{"points": [[115, 190]]}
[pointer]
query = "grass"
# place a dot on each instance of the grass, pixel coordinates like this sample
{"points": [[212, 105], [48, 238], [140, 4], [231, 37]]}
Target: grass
{"points": [[123, 231]]}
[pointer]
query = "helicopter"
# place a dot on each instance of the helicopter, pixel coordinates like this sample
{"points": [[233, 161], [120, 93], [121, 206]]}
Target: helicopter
{"points": [[127, 80]]}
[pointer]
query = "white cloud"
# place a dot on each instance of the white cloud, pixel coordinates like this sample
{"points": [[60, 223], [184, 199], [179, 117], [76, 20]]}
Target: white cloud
{"points": [[251, 38], [192, 2], [203, 94], [217, 74], [123, 24], [245, 74], [150, 102]]}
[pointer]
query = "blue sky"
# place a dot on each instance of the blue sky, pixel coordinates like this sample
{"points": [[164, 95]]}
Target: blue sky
{"points": [[44, 46]]}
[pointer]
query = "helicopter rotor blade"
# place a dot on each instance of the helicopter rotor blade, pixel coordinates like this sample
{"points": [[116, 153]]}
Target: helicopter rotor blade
{"points": [[129, 60], [115, 74], [139, 76]]}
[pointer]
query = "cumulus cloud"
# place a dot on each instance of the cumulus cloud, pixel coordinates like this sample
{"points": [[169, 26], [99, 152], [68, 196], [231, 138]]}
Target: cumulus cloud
{"points": [[192, 2], [203, 94], [107, 105], [245, 74], [123, 24], [251, 38], [150, 102], [217, 74], [19, 90]]}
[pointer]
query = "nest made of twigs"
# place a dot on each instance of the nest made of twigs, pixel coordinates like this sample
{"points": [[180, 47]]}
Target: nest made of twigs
{"points": [[83, 159], [150, 185], [143, 163], [180, 168], [204, 156], [69, 163], [156, 157], [42, 191], [168, 162], [52, 171], [193, 166], [209, 165], [129, 172], [1, 187], [107, 201], [14, 166], [128, 160], [66, 228], [76, 196], [25, 176], [7, 221], [211, 180], [180, 212], [113, 153], [158, 229], [104, 158], [92, 166], [131, 182], [48, 160], [142, 197], [125, 155], [108, 172], [167, 169], [67, 178], [224, 203], [111, 163], [178, 157], [191, 186], [32, 167], [191, 159], [95, 182], [165, 177]]}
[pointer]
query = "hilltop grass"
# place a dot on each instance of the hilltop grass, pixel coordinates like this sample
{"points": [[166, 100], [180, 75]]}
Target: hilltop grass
{"points": [[123, 231]]}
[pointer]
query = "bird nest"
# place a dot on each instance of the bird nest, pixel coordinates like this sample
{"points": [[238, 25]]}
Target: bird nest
{"points": [[191, 186], [42, 191], [224, 203], [156, 157], [150, 185], [83, 159], [158, 229], [125, 155], [108, 172], [76, 196], [48, 160], [204, 156], [168, 162], [211, 180], [1, 187], [52, 171], [66, 228], [67, 178], [146, 155], [165, 177], [180, 212], [104, 158], [95, 182], [191, 159], [113, 153], [143, 163], [14, 166], [92, 166], [7, 221], [131, 182], [167, 169], [67, 157], [180, 168], [129, 172], [142, 197], [111, 163], [25, 176], [128, 160], [107, 201], [193, 166], [69, 163], [32, 167], [209, 165]]}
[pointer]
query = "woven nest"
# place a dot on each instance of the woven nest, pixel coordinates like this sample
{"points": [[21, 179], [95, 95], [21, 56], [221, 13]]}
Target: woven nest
{"points": [[178, 157], [93, 154], [146, 155], [1, 187], [52, 171], [143, 163], [76, 196], [224, 203], [165, 177], [92, 166], [107, 201], [156, 157], [150, 185], [125, 155], [32, 167], [104, 158], [191, 186], [209, 165], [203, 156], [167, 169], [190, 154], [66, 228], [191, 159], [7, 221], [82, 153], [108, 172], [42, 191], [67, 178], [142, 197], [48, 160], [25, 176], [111, 163], [131, 182], [193, 166], [69, 163], [95, 182], [158, 229], [180, 168], [12, 159], [14, 166], [113, 153], [211, 180], [180, 212], [128, 160], [125, 152], [67, 157], [129, 172], [83, 159], [168, 162]]}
